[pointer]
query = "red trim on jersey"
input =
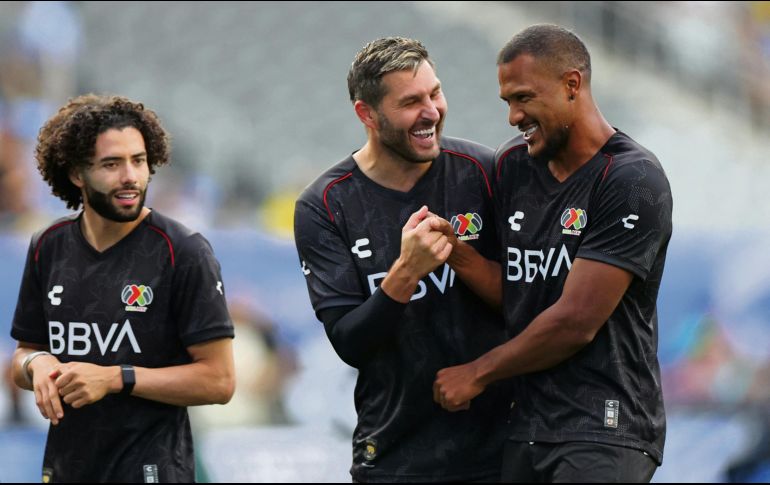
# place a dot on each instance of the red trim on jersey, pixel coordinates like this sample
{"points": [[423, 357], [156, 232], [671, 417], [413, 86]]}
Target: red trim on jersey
{"points": [[40, 241], [326, 191], [486, 179], [607, 169], [168, 241], [499, 164]]}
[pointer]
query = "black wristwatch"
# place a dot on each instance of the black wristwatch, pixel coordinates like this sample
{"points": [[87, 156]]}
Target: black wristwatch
{"points": [[129, 379]]}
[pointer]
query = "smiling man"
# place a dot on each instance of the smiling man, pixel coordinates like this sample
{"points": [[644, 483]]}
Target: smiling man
{"points": [[121, 318], [378, 278], [585, 221]]}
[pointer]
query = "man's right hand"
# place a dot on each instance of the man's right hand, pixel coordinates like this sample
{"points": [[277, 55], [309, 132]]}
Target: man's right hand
{"points": [[422, 250], [46, 393]]}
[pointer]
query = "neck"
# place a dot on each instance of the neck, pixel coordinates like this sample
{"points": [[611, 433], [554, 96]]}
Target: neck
{"points": [[103, 233], [388, 169], [588, 134]]}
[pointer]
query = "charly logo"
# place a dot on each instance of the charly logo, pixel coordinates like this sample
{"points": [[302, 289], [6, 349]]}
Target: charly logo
{"points": [[53, 295], [628, 221], [515, 226], [573, 220], [467, 226], [136, 297]]}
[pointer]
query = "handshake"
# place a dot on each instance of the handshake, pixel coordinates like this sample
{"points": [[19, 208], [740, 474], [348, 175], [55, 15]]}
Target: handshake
{"points": [[427, 241]]}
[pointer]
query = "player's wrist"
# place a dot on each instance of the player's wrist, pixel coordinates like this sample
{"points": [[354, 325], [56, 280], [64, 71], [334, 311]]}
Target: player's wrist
{"points": [[116, 380], [31, 361], [399, 284]]}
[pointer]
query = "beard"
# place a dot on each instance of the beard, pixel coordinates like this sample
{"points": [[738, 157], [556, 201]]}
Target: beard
{"points": [[102, 203], [553, 145], [397, 141]]}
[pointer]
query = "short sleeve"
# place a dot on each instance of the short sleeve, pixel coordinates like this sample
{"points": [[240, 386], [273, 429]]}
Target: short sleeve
{"points": [[326, 261], [198, 294], [630, 218]]}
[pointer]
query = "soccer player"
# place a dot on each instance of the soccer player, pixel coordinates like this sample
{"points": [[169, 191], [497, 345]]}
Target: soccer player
{"points": [[121, 319], [378, 278], [585, 220]]}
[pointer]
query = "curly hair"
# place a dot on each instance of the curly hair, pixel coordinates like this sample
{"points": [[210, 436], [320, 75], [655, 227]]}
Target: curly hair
{"points": [[68, 140]]}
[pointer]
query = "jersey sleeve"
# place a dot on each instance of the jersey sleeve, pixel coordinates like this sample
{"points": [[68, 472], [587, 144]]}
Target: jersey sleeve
{"points": [[198, 300], [326, 261], [29, 323], [631, 218]]}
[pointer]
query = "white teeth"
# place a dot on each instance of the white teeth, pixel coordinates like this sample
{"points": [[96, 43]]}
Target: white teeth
{"points": [[426, 133], [530, 131], [126, 196]]}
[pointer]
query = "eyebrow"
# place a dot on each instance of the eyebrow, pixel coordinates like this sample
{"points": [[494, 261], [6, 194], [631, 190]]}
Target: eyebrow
{"points": [[416, 97], [117, 159]]}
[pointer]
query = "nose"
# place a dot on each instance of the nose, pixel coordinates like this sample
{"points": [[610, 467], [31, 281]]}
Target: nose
{"points": [[515, 116], [128, 174], [431, 111]]}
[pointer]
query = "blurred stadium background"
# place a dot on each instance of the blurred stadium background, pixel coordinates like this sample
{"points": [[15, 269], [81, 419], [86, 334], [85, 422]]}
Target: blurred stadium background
{"points": [[255, 98]]}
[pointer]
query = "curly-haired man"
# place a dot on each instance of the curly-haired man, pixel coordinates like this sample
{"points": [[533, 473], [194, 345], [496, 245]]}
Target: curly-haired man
{"points": [[121, 320]]}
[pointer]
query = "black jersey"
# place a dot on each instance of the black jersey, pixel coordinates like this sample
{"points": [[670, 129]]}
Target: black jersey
{"points": [[140, 302], [615, 209], [348, 234]]}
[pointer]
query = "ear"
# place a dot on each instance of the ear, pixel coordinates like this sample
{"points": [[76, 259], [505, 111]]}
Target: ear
{"points": [[573, 80], [76, 177], [366, 114]]}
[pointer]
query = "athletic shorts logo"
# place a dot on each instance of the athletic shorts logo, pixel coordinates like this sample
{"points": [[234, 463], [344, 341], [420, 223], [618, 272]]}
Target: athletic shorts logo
{"points": [[467, 226], [150, 473], [573, 220], [136, 297]]}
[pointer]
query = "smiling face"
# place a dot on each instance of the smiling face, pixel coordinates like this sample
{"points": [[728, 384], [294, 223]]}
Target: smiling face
{"points": [[114, 185], [539, 105], [411, 115]]}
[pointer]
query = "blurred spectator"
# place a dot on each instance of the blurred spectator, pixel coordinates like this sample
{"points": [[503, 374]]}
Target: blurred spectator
{"points": [[262, 367], [37, 73]]}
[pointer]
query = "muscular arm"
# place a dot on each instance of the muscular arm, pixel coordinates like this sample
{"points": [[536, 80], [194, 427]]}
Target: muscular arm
{"points": [[591, 293], [208, 379]]}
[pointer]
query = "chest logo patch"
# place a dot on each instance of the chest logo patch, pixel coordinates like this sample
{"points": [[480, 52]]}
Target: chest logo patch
{"points": [[467, 226], [52, 295], [359, 248], [136, 297], [515, 226], [628, 221], [573, 220]]}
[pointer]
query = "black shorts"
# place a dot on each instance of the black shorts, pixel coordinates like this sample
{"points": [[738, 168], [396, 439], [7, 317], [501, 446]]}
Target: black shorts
{"points": [[575, 461]]}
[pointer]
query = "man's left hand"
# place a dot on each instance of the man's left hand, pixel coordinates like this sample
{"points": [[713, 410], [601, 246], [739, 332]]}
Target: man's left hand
{"points": [[80, 384], [456, 386]]}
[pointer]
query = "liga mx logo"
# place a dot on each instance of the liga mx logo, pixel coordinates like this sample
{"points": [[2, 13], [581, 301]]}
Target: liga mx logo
{"points": [[573, 220], [467, 226], [136, 297]]}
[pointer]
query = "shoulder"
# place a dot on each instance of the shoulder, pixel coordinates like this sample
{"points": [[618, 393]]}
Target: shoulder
{"points": [[467, 150], [471, 157], [508, 152], [318, 195], [52, 231], [630, 162], [178, 238]]}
